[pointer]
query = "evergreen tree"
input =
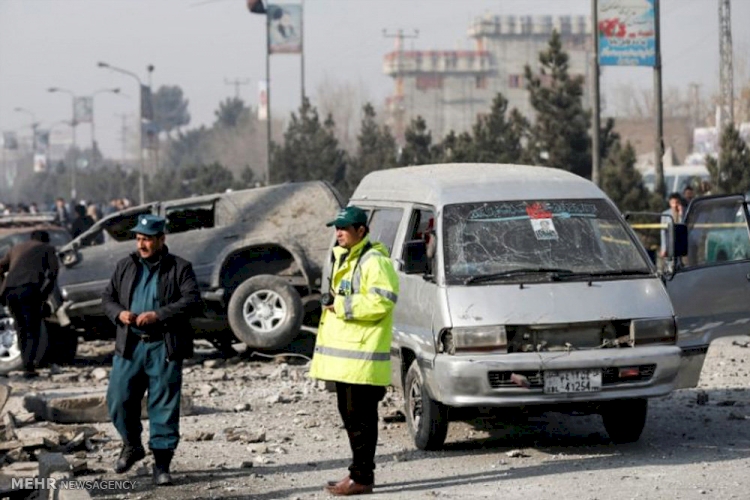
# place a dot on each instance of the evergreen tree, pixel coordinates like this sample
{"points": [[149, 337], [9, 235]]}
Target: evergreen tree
{"points": [[497, 139], [559, 137], [418, 148], [377, 149], [231, 112], [310, 150], [456, 148], [170, 108], [734, 161], [623, 183]]}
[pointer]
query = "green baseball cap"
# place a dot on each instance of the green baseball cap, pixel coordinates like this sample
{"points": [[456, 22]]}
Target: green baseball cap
{"points": [[348, 217]]}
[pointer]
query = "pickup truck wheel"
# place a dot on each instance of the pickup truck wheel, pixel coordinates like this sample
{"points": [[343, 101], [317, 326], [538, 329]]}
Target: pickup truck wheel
{"points": [[265, 312], [624, 419], [10, 349], [427, 419]]}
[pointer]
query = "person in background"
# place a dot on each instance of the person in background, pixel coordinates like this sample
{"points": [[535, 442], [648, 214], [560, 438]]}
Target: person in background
{"points": [[687, 195], [62, 216], [672, 215], [31, 268], [81, 223]]}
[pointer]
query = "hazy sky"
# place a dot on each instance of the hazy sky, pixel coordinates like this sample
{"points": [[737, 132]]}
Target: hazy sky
{"points": [[198, 43]]}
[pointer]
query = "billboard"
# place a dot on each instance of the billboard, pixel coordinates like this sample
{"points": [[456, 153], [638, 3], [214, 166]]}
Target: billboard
{"points": [[284, 29], [626, 33], [83, 109], [40, 162], [262, 101]]}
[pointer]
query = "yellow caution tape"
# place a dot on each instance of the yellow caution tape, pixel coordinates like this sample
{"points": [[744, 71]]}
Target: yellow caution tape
{"points": [[709, 225]]}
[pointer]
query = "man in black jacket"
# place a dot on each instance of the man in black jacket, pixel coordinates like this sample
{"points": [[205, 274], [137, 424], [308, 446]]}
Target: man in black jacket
{"points": [[32, 269], [150, 299]]}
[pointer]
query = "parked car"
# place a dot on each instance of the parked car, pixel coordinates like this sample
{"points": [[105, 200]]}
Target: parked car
{"points": [[538, 297], [257, 255], [15, 229]]}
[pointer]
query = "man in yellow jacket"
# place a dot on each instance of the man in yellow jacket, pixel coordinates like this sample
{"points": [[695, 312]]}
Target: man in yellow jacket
{"points": [[354, 341]]}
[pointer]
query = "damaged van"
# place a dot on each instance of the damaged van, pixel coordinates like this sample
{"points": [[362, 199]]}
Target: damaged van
{"points": [[521, 288]]}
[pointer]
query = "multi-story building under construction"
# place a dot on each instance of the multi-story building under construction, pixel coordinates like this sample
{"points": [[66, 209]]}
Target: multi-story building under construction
{"points": [[450, 88]]}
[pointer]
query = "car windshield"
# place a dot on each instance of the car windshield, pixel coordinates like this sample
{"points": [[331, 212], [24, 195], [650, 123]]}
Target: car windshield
{"points": [[519, 239]]}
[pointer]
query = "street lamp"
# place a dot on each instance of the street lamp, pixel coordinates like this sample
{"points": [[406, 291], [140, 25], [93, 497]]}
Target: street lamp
{"points": [[73, 125], [34, 124], [141, 189]]}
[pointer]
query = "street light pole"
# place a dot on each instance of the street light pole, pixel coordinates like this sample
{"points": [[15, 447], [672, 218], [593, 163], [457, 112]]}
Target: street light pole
{"points": [[33, 127], [73, 126], [141, 186]]}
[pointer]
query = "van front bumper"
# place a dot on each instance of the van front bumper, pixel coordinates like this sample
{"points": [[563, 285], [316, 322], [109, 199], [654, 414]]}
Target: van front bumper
{"points": [[481, 379]]}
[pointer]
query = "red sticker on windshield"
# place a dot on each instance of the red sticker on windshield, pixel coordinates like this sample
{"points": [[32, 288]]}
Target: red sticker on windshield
{"points": [[537, 211]]}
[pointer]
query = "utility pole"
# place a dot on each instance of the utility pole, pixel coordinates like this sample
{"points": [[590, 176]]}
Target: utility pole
{"points": [[399, 37], [726, 75], [595, 122], [237, 82], [659, 153], [123, 137]]}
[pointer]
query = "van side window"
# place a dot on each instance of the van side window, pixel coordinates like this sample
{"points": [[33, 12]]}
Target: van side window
{"points": [[422, 227], [189, 217], [384, 224]]}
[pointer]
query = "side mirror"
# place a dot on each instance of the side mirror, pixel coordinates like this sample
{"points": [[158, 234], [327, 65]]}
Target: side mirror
{"points": [[679, 240], [415, 257]]}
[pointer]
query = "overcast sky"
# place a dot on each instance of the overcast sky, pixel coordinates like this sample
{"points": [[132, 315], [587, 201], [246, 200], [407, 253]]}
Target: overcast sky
{"points": [[197, 44]]}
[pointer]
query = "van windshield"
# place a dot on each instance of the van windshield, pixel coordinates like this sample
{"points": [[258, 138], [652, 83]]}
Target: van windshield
{"points": [[581, 237]]}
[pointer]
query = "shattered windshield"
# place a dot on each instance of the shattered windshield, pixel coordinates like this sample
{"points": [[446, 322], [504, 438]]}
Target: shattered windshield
{"points": [[515, 239]]}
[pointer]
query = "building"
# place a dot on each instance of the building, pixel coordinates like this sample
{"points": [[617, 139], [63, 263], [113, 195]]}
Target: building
{"points": [[450, 88]]}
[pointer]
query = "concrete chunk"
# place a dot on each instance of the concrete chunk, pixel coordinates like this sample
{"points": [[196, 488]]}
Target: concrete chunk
{"points": [[84, 406], [52, 462]]}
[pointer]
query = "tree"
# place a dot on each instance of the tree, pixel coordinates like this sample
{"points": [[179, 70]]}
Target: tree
{"points": [[189, 148], [310, 150], [623, 183], [170, 108], [559, 137], [455, 149], [418, 147], [231, 112], [172, 183], [734, 161], [497, 139], [377, 149]]}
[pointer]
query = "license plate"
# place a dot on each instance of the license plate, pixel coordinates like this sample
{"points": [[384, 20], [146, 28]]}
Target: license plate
{"points": [[569, 381]]}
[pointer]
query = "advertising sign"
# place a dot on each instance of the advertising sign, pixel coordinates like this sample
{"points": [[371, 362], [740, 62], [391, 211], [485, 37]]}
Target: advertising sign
{"points": [[627, 35]]}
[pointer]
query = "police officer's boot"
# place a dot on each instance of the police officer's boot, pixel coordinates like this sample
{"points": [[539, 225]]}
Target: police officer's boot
{"points": [[162, 459], [129, 455]]}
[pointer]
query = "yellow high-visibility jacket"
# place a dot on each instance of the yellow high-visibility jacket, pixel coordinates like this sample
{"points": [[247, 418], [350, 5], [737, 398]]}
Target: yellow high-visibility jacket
{"points": [[354, 341]]}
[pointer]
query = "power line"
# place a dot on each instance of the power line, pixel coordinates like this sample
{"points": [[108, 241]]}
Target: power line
{"points": [[237, 82]]}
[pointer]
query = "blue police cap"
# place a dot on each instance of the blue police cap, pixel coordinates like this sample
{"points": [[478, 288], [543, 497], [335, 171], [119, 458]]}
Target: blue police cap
{"points": [[150, 225]]}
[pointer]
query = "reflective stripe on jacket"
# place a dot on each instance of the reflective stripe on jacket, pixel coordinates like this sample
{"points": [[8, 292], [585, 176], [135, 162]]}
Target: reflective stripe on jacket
{"points": [[354, 341]]}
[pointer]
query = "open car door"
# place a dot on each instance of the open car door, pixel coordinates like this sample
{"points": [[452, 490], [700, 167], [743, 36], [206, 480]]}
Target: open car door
{"points": [[710, 289]]}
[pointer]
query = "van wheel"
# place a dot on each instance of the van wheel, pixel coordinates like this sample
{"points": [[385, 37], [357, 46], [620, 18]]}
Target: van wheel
{"points": [[10, 349], [624, 419], [265, 312], [427, 419]]}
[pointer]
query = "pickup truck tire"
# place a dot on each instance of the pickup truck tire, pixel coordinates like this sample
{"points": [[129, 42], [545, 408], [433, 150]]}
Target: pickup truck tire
{"points": [[427, 419], [624, 419], [265, 312]]}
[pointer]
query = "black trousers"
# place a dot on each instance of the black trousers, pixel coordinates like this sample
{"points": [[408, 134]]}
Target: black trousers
{"points": [[358, 406], [26, 304]]}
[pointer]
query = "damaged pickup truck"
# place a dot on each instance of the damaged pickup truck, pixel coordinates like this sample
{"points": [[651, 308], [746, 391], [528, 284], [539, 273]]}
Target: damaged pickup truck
{"points": [[257, 254], [523, 290]]}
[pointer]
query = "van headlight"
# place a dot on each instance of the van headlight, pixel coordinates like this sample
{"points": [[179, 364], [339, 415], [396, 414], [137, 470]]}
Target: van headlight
{"points": [[473, 338], [653, 331]]}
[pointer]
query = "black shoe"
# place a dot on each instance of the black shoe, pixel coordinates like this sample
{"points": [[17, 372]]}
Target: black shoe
{"points": [[128, 457], [162, 459], [162, 477]]}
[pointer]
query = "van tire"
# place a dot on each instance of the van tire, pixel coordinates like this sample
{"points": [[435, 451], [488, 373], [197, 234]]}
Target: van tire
{"points": [[624, 419], [271, 326], [10, 349], [426, 419]]}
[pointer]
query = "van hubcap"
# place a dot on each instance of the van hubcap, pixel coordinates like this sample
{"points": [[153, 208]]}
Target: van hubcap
{"points": [[9, 349], [415, 403], [264, 310]]}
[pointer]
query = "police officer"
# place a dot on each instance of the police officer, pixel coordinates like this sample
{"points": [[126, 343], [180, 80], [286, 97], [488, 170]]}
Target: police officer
{"points": [[354, 340], [150, 298]]}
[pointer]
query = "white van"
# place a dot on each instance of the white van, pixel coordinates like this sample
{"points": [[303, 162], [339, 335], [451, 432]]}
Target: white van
{"points": [[677, 178], [524, 288]]}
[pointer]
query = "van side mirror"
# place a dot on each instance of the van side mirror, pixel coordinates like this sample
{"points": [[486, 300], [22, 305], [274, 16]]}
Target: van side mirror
{"points": [[679, 240], [415, 257]]}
